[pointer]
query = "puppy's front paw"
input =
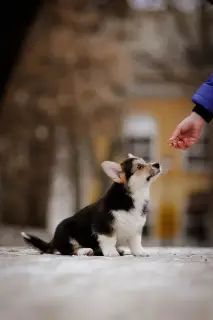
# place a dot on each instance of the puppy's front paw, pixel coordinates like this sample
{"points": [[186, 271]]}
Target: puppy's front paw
{"points": [[111, 252], [140, 253], [85, 252], [123, 251]]}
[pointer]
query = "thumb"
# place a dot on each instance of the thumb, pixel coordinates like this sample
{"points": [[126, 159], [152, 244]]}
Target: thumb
{"points": [[176, 133]]}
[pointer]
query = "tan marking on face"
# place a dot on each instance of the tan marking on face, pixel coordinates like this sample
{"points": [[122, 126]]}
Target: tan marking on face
{"points": [[123, 178], [139, 167], [149, 169]]}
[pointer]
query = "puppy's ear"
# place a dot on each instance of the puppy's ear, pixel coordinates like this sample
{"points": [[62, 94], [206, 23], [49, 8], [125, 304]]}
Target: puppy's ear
{"points": [[113, 170], [131, 155]]}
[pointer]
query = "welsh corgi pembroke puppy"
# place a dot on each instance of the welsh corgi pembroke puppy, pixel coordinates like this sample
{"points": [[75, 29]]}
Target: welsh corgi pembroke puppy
{"points": [[114, 221]]}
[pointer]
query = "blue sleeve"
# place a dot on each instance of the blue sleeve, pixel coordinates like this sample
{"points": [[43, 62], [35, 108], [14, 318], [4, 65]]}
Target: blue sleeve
{"points": [[204, 95], [203, 98]]}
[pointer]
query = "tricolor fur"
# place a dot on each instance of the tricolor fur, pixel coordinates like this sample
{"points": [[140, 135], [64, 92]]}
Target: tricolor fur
{"points": [[115, 220]]}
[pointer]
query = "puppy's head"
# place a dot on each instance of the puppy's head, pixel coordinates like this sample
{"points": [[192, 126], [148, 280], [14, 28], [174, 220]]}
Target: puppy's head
{"points": [[133, 172]]}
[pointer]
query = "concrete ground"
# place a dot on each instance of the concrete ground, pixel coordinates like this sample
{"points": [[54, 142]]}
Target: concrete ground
{"points": [[170, 284]]}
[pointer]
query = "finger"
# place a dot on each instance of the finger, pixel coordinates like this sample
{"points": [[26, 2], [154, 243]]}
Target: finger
{"points": [[184, 147], [181, 144], [175, 133], [175, 144], [189, 144], [186, 140]]}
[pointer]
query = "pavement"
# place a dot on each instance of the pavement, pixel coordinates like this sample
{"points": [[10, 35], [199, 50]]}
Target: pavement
{"points": [[170, 284]]}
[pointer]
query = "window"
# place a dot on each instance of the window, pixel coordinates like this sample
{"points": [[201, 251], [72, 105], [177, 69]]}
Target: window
{"points": [[139, 146], [140, 136], [197, 157]]}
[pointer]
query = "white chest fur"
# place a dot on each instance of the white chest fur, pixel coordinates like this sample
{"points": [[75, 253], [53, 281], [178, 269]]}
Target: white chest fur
{"points": [[129, 223]]}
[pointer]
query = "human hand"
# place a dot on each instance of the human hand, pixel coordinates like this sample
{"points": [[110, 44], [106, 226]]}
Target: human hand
{"points": [[187, 132]]}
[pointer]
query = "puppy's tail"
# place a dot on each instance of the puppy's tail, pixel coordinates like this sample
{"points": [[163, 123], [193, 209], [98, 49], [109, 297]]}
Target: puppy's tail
{"points": [[35, 242]]}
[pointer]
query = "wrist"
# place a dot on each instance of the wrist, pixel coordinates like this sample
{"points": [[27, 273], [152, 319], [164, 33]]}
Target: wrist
{"points": [[201, 112], [197, 119]]}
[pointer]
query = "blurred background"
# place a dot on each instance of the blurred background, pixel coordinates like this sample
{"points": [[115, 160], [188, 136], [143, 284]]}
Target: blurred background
{"points": [[82, 81]]}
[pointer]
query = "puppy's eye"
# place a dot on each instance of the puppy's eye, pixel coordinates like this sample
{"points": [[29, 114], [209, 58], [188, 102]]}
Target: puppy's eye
{"points": [[139, 166]]}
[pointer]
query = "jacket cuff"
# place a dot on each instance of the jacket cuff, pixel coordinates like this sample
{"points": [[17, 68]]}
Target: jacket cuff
{"points": [[203, 112]]}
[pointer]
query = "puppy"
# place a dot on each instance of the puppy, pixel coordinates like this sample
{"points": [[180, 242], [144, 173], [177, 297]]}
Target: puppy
{"points": [[116, 219]]}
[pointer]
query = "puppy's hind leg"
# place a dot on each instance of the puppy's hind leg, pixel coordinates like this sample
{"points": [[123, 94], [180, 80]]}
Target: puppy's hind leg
{"points": [[78, 250], [64, 247]]}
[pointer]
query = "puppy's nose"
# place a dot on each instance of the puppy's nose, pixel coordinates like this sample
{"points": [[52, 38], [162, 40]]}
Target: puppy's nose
{"points": [[156, 165]]}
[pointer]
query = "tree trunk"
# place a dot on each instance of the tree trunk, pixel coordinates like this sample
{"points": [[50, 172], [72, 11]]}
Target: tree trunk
{"points": [[61, 198], [41, 150], [76, 172]]}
